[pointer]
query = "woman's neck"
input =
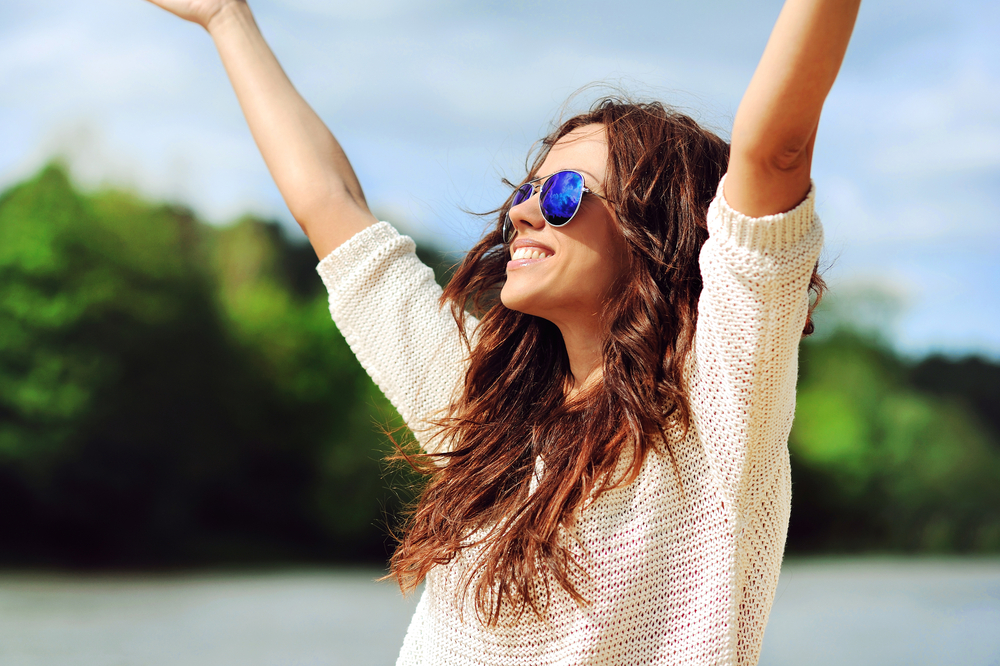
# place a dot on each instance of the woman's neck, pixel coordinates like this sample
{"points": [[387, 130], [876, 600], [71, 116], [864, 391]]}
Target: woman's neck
{"points": [[584, 341]]}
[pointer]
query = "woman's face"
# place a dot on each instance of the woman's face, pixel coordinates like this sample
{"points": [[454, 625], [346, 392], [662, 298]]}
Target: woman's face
{"points": [[571, 269]]}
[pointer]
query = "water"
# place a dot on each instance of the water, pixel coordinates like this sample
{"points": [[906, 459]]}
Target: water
{"points": [[280, 619], [858, 612], [886, 612]]}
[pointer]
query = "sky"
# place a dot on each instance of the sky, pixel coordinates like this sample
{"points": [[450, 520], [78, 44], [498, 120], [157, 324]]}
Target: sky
{"points": [[435, 101]]}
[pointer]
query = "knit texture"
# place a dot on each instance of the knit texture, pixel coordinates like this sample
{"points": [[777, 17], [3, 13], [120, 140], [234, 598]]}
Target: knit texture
{"points": [[682, 568]]}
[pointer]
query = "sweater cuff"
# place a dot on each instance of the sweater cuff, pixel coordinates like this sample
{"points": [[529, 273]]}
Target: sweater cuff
{"points": [[365, 243], [768, 233]]}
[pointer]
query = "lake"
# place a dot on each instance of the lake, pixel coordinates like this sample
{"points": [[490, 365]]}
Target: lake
{"points": [[840, 611]]}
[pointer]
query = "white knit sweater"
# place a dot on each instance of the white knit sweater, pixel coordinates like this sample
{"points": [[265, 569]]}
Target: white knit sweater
{"points": [[675, 577]]}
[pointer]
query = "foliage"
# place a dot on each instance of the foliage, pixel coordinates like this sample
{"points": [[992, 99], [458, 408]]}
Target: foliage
{"points": [[173, 393], [880, 462]]}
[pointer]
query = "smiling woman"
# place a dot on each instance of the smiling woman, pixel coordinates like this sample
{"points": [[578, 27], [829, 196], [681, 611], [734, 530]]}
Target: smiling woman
{"points": [[603, 392], [575, 266]]}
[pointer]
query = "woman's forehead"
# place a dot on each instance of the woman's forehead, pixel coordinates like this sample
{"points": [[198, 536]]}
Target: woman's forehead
{"points": [[584, 149]]}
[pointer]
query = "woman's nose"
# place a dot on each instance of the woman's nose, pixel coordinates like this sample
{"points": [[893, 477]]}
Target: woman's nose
{"points": [[527, 214]]}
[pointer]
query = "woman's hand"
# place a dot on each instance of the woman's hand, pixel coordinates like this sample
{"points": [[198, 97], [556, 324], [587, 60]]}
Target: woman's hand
{"points": [[775, 126], [197, 11]]}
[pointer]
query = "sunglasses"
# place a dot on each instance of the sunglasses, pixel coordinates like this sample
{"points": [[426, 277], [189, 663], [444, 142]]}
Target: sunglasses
{"points": [[559, 199]]}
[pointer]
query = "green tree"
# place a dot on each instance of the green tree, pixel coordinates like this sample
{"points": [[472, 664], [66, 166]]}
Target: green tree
{"points": [[171, 392], [879, 463]]}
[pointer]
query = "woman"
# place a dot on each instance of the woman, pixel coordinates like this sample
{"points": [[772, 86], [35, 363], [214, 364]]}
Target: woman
{"points": [[606, 437]]}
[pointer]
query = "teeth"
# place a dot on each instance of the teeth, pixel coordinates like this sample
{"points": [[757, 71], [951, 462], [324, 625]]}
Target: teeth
{"points": [[528, 253]]}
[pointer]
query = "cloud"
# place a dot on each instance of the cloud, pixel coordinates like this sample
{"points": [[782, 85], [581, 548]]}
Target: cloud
{"points": [[72, 64], [435, 100], [949, 150]]}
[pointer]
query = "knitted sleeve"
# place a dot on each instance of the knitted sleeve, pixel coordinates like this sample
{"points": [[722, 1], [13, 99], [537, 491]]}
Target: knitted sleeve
{"points": [[751, 313], [753, 307], [385, 302]]}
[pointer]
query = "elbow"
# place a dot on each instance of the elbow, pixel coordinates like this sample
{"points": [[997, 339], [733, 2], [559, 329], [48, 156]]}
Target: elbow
{"points": [[776, 158], [307, 210], [775, 152], [313, 208], [790, 159]]}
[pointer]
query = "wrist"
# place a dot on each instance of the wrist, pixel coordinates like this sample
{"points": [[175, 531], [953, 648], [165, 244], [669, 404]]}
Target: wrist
{"points": [[228, 12]]}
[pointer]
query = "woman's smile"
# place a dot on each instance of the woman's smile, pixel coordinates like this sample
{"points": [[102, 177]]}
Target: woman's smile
{"points": [[524, 252]]}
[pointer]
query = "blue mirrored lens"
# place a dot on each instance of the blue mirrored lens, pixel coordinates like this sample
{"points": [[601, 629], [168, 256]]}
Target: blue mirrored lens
{"points": [[523, 194], [560, 197]]}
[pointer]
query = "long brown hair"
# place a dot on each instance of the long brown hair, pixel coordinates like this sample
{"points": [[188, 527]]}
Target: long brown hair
{"points": [[663, 171]]}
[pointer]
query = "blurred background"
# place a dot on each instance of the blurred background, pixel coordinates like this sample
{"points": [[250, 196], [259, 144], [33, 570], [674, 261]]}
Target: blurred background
{"points": [[174, 397]]}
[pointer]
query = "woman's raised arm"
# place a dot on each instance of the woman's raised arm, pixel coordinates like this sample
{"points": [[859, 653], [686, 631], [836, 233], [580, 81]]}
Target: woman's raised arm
{"points": [[308, 165], [775, 126]]}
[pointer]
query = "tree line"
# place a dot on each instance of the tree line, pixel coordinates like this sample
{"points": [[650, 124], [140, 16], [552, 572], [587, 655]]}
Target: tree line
{"points": [[174, 394]]}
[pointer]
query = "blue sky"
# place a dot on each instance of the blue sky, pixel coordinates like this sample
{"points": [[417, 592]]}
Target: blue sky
{"points": [[436, 101]]}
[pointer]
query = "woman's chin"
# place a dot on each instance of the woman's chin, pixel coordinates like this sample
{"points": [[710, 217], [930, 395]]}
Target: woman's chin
{"points": [[510, 301], [516, 299]]}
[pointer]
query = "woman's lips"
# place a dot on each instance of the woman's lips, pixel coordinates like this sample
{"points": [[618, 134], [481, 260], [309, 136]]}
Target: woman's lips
{"points": [[520, 263], [525, 252]]}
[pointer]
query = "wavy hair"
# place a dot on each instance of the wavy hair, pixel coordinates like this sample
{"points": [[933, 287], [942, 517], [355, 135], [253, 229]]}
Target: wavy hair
{"points": [[484, 494]]}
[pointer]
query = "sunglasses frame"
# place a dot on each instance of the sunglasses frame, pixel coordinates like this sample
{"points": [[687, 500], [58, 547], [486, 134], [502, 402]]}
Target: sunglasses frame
{"points": [[508, 224]]}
